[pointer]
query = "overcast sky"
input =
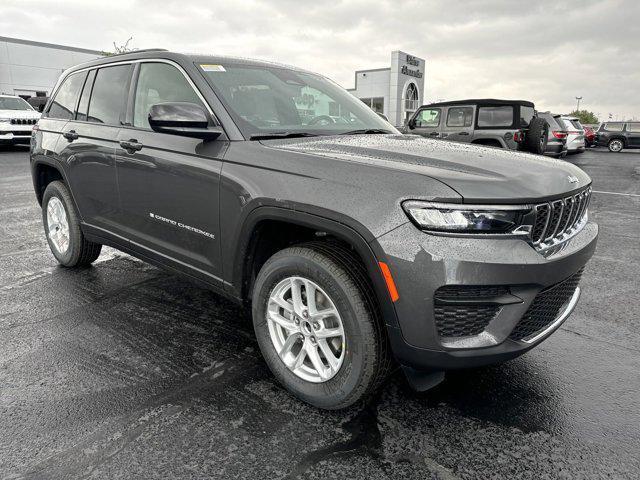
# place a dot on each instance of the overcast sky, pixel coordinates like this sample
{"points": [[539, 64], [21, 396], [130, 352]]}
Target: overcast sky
{"points": [[545, 51]]}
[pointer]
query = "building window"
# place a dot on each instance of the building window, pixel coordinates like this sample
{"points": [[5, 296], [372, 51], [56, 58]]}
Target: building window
{"points": [[411, 98], [376, 104]]}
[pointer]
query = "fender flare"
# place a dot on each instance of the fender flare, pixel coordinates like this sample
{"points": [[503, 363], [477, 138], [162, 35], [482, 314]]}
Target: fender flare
{"points": [[353, 233]]}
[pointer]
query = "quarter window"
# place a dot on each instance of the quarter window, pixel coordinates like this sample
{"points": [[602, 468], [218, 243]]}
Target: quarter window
{"points": [[495, 116], [633, 127], [160, 83], [109, 95], [459, 116], [429, 117], [64, 103]]}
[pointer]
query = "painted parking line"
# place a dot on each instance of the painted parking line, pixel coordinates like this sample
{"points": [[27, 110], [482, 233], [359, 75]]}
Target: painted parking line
{"points": [[617, 193]]}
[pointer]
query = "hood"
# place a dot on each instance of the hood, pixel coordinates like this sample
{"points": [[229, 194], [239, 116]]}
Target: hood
{"points": [[478, 174], [19, 114]]}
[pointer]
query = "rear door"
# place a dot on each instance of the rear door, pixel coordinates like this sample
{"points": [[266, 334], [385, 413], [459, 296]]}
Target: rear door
{"points": [[458, 125], [169, 184], [428, 122], [633, 134], [90, 141]]}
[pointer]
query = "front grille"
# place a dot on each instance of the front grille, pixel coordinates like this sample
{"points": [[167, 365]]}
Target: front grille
{"points": [[465, 319], [546, 307], [24, 121], [557, 219], [20, 133]]}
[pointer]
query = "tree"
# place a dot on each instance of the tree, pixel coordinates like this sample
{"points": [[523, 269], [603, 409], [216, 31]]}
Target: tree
{"points": [[117, 49], [585, 116]]}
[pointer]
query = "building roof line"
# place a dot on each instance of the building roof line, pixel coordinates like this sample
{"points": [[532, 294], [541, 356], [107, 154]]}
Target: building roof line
{"points": [[49, 45]]}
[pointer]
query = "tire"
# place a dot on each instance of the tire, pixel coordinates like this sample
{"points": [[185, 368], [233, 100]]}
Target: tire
{"points": [[364, 349], [615, 145], [58, 208], [537, 136]]}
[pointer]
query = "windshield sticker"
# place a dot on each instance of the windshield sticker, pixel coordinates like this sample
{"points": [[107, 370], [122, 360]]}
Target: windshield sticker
{"points": [[212, 68]]}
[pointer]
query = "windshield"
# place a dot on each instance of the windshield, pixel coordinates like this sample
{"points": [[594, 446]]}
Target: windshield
{"points": [[267, 100], [14, 103]]}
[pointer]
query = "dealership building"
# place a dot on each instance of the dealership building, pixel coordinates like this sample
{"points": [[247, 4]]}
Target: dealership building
{"points": [[31, 69], [396, 91]]}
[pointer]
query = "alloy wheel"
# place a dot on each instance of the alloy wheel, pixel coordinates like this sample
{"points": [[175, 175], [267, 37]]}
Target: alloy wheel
{"points": [[306, 329], [58, 225]]}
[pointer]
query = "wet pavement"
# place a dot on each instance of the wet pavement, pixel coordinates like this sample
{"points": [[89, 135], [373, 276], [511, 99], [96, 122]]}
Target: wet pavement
{"points": [[122, 370]]}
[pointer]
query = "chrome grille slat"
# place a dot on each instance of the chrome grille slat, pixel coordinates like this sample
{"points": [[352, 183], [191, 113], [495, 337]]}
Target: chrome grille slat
{"points": [[561, 219]]}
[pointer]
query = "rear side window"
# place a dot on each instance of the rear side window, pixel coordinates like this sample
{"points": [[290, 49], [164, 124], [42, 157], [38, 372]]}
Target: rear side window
{"points": [[160, 83], [613, 127], [460, 116], [109, 94], [633, 127], [495, 116], [429, 117], [576, 124], [64, 103]]}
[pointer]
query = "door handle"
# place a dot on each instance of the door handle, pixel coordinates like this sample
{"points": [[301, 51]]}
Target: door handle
{"points": [[434, 134], [131, 145], [463, 133], [71, 135]]}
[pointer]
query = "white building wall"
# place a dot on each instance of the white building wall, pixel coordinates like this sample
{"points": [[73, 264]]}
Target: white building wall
{"points": [[27, 67]]}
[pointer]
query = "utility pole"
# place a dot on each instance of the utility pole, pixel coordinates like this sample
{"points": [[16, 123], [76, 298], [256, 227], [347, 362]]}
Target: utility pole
{"points": [[578, 106]]}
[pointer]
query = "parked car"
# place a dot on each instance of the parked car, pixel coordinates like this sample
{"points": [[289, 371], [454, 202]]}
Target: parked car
{"points": [[351, 243], [575, 135], [589, 136], [619, 135], [509, 124], [557, 137], [38, 102], [17, 118]]}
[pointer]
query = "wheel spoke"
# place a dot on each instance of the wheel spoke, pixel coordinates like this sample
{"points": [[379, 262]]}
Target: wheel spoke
{"points": [[296, 296], [329, 332], [327, 312], [329, 355], [283, 322], [288, 344], [285, 304], [314, 356], [295, 362], [311, 297]]}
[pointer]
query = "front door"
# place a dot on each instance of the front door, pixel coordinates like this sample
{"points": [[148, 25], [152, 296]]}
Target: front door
{"points": [[169, 184], [458, 125], [427, 122]]}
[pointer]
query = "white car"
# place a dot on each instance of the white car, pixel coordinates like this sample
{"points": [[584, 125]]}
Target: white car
{"points": [[575, 135], [17, 119]]}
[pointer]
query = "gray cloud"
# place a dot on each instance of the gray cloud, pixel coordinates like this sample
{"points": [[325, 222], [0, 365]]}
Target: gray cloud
{"points": [[546, 51]]}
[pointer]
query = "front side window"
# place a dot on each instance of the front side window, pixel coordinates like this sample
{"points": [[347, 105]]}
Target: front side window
{"points": [[613, 127], [64, 103], [272, 99], [460, 117], [633, 127], [160, 83], [495, 116], [14, 103], [109, 95], [429, 117]]}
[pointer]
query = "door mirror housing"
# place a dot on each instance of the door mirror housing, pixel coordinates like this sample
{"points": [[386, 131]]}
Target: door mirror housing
{"points": [[184, 119], [412, 123]]}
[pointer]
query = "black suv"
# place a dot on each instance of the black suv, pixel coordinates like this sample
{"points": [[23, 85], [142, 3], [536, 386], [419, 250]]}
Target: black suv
{"points": [[356, 247], [509, 124], [618, 135]]}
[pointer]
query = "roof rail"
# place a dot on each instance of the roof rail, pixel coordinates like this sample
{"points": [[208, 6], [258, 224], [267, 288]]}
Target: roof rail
{"points": [[139, 51]]}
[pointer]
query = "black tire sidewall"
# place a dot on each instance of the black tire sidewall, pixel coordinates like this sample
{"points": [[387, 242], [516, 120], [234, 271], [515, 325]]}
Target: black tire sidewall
{"points": [[334, 392], [59, 190]]}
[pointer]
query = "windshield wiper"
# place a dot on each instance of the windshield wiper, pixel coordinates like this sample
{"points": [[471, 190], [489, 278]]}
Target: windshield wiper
{"points": [[366, 131], [270, 136]]}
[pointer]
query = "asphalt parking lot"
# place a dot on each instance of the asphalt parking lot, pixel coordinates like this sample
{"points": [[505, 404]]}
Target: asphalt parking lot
{"points": [[125, 371]]}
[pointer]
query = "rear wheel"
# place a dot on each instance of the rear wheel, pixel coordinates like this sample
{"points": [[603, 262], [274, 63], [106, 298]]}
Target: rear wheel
{"points": [[62, 228], [318, 327], [538, 135], [616, 145]]}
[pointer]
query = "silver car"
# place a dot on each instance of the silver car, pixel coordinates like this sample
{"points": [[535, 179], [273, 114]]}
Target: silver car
{"points": [[575, 135]]}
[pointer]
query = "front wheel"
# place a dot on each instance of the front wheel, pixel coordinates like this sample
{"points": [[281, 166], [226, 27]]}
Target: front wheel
{"points": [[615, 145], [318, 327], [62, 228]]}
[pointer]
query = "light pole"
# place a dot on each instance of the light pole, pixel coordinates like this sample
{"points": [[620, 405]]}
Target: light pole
{"points": [[578, 106]]}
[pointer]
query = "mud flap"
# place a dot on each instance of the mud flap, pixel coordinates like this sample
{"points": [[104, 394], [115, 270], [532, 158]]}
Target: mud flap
{"points": [[422, 381]]}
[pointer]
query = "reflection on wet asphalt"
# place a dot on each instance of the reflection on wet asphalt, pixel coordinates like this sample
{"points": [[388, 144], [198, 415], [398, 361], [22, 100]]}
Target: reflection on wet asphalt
{"points": [[122, 370]]}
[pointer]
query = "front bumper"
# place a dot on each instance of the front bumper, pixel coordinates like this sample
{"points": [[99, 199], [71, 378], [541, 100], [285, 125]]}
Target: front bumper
{"points": [[422, 263], [17, 134]]}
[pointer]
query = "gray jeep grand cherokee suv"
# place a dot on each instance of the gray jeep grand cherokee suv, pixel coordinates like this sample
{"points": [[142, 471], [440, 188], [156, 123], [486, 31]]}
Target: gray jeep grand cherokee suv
{"points": [[357, 248]]}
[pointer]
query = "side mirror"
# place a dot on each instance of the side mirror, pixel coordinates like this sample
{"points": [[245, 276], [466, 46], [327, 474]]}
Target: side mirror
{"points": [[412, 123], [182, 118]]}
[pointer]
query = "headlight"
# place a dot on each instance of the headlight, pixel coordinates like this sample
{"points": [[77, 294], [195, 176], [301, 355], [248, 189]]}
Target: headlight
{"points": [[461, 218]]}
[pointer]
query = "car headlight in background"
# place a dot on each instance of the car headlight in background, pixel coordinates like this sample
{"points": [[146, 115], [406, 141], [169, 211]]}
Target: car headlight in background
{"points": [[460, 218]]}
